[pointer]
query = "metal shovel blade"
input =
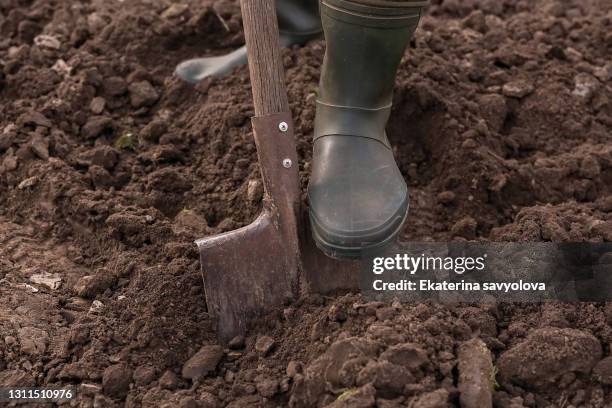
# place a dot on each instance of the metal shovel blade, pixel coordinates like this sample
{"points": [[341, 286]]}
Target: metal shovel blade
{"points": [[253, 270], [245, 274]]}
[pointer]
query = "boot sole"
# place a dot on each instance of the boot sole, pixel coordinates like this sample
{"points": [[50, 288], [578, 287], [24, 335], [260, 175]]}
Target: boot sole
{"points": [[344, 253]]}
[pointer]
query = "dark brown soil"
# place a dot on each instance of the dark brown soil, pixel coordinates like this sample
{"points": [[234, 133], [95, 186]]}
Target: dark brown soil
{"points": [[110, 168]]}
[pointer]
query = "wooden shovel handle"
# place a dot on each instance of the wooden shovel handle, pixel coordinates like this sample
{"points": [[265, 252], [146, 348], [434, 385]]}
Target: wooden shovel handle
{"points": [[264, 53]]}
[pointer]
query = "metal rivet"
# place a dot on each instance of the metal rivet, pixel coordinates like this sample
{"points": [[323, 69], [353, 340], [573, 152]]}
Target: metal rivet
{"points": [[287, 163], [283, 126]]}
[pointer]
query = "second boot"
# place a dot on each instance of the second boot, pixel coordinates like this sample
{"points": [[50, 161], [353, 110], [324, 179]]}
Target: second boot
{"points": [[298, 23], [357, 196]]}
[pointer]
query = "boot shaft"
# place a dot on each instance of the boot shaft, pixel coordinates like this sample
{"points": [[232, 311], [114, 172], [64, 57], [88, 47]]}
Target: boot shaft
{"points": [[365, 41]]}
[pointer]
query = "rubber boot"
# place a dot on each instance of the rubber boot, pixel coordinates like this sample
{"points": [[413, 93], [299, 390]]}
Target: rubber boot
{"points": [[298, 22], [357, 196]]}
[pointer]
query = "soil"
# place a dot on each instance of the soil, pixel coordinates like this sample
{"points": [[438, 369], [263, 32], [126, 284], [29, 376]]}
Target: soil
{"points": [[110, 168]]}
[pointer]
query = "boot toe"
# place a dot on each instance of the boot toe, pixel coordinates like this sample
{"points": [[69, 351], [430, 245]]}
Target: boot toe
{"points": [[358, 197]]}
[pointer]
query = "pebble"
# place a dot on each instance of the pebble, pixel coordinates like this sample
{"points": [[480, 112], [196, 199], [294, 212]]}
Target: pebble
{"points": [[585, 86], [142, 94], [255, 191], [116, 380], [517, 89], [203, 363], [51, 280], [264, 345], [446, 197], [97, 105], [175, 10], [27, 183], [47, 41]]}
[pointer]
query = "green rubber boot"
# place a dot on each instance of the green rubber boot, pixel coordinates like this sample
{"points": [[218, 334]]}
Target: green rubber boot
{"points": [[358, 198], [298, 23]]}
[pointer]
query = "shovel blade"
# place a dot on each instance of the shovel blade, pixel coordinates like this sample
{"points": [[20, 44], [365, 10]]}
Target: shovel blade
{"points": [[247, 273]]}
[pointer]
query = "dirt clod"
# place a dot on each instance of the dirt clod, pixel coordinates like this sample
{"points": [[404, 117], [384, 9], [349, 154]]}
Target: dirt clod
{"points": [[203, 362], [116, 380], [476, 375]]}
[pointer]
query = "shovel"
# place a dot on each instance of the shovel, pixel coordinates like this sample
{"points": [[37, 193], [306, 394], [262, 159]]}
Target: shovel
{"points": [[258, 268]]}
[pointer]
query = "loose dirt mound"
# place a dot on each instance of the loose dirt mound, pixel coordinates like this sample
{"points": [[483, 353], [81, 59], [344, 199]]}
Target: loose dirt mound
{"points": [[110, 168]]}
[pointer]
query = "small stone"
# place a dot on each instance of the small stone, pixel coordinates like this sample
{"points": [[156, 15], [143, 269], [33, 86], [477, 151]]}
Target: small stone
{"points": [[95, 126], [476, 375], [27, 183], [144, 375], [62, 68], [585, 86], [142, 94], [97, 105], [517, 89], [203, 363], [96, 305], [465, 227], [236, 343], [175, 10], [264, 345], [33, 340], [169, 381], [116, 380], [115, 86], [47, 41], [89, 390], [255, 191], [51, 280], [446, 197]]}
